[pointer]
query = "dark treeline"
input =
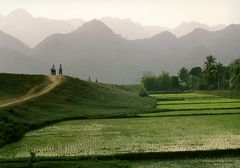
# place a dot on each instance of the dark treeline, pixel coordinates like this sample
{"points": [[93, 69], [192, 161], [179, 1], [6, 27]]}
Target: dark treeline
{"points": [[211, 76]]}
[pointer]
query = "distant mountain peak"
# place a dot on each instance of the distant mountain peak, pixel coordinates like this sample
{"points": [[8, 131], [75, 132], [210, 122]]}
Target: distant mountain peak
{"points": [[165, 35], [197, 33], [20, 13], [231, 29], [233, 26], [200, 30], [94, 26], [3, 34], [192, 23], [10, 42], [116, 19]]}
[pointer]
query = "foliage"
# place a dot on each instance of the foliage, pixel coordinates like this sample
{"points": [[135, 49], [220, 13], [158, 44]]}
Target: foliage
{"points": [[150, 82], [163, 82], [31, 159], [195, 78], [143, 92], [11, 130], [235, 74], [196, 71], [213, 75], [210, 71], [175, 82], [183, 75]]}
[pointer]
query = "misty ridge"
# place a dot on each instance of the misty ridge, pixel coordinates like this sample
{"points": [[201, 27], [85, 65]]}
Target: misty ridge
{"points": [[112, 50], [22, 25]]}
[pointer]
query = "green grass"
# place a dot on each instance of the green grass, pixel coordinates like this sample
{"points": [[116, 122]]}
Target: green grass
{"points": [[77, 98], [196, 101], [200, 106], [225, 93], [17, 85], [190, 163], [114, 136], [227, 162], [72, 99], [184, 96], [71, 164], [202, 101], [191, 112]]}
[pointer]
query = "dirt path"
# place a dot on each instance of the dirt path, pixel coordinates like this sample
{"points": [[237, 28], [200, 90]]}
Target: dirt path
{"points": [[55, 81]]}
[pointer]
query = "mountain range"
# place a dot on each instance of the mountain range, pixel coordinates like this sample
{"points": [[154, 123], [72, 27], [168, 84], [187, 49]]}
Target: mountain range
{"points": [[24, 26], [132, 30], [31, 30], [96, 50]]}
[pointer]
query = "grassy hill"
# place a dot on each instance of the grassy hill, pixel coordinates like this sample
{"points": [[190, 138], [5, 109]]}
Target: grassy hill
{"points": [[17, 85], [72, 99]]}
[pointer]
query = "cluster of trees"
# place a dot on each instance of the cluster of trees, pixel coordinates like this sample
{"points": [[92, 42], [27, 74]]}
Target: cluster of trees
{"points": [[162, 82], [213, 75], [11, 130]]}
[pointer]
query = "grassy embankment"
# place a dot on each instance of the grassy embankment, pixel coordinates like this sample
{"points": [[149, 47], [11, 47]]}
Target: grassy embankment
{"points": [[72, 99], [13, 86]]}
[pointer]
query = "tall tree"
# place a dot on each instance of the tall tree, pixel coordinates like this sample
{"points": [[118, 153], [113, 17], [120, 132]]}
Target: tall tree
{"points": [[150, 81], [219, 72], [210, 71], [143, 91], [225, 76], [165, 81], [175, 82], [196, 71], [235, 74], [195, 75], [183, 74]]}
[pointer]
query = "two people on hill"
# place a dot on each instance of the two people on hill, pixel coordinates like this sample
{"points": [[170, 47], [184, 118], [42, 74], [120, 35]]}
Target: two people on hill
{"points": [[53, 70]]}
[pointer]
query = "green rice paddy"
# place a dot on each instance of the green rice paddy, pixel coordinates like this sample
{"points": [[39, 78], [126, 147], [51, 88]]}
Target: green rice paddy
{"points": [[180, 122], [114, 136], [153, 132], [195, 101]]}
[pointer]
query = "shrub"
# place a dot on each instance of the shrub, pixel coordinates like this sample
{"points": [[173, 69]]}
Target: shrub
{"points": [[143, 92]]}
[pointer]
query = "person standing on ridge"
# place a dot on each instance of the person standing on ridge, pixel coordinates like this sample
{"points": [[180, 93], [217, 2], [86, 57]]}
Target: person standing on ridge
{"points": [[60, 70], [53, 70]]}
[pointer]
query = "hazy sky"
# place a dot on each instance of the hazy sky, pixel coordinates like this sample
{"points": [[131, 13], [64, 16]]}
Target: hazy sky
{"points": [[148, 12]]}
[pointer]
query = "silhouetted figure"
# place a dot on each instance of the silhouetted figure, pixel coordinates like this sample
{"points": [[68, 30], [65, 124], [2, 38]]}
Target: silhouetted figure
{"points": [[89, 79], [53, 70], [96, 80], [60, 70]]}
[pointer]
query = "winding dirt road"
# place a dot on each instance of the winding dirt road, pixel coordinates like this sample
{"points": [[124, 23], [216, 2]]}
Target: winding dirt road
{"points": [[55, 81]]}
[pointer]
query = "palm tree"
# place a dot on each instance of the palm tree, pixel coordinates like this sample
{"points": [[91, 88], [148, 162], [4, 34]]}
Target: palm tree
{"points": [[209, 63], [210, 69]]}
